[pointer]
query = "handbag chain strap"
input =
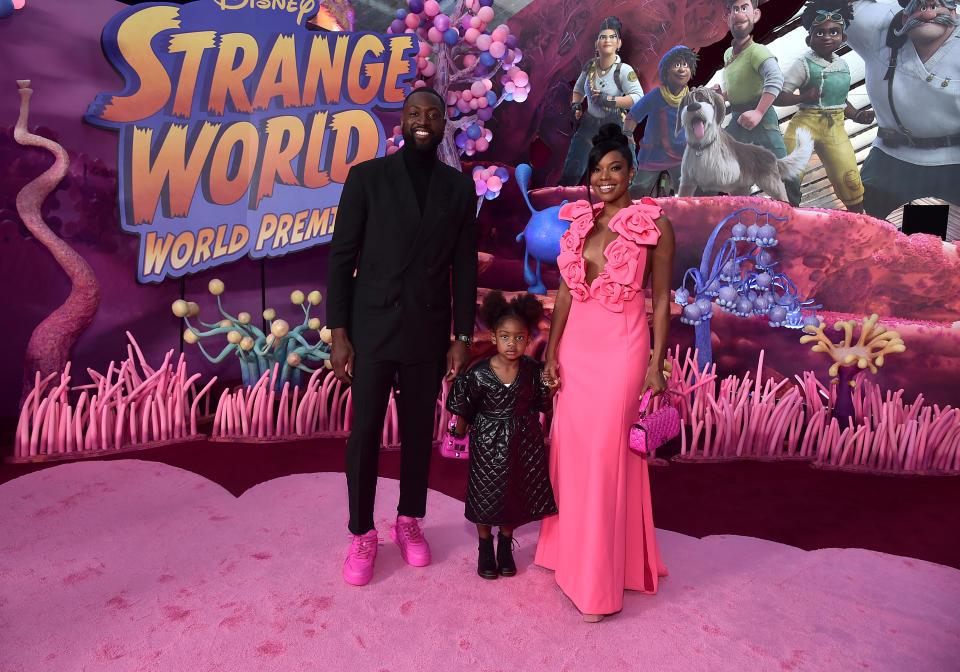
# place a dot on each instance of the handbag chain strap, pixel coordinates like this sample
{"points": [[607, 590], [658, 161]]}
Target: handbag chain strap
{"points": [[645, 401]]}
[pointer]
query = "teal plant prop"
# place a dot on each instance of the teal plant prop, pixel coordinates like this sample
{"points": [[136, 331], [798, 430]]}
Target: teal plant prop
{"points": [[257, 351]]}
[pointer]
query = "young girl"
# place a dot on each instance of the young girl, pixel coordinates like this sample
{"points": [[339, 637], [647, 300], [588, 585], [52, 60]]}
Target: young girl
{"points": [[823, 80], [501, 398]]}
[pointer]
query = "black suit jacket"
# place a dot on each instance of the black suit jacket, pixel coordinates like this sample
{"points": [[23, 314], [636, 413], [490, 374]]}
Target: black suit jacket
{"points": [[408, 267]]}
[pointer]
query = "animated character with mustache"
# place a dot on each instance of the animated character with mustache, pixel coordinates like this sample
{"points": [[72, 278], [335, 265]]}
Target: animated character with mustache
{"points": [[912, 60]]}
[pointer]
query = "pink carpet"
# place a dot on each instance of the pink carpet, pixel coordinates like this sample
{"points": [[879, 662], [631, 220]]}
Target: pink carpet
{"points": [[132, 565]]}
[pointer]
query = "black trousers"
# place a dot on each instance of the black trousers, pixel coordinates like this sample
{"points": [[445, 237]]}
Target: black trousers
{"points": [[419, 387], [889, 182]]}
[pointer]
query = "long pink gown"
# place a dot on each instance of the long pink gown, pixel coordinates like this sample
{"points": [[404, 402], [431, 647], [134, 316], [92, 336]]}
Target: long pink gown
{"points": [[602, 540]]}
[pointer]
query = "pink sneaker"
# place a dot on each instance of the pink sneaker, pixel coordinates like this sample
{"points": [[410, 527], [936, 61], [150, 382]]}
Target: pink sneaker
{"points": [[413, 547], [358, 569]]}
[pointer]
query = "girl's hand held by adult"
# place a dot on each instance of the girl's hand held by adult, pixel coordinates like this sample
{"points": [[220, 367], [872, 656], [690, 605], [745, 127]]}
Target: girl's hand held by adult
{"points": [[551, 376]]}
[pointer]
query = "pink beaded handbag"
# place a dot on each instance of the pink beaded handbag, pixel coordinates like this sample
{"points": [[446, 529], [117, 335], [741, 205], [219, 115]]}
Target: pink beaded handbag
{"points": [[652, 431], [453, 447]]}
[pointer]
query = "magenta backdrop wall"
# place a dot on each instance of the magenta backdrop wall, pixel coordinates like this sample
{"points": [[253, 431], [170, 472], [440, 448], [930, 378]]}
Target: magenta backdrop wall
{"points": [[56, 45]]}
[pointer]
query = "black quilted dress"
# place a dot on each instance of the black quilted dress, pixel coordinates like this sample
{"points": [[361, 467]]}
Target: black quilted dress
{"points": [[508, 482]]}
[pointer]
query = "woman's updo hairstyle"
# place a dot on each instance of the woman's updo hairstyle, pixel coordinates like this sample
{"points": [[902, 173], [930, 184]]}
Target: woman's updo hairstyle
{"points": [[611, 23], [610, 138], [495, 309]]}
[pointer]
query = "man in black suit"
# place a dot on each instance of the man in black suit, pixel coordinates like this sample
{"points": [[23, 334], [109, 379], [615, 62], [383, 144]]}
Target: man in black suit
{"points": [[405, 241]]}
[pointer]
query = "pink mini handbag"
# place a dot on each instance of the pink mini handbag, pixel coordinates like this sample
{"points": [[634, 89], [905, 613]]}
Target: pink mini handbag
{"points": [[652, 431], [453, 447]]}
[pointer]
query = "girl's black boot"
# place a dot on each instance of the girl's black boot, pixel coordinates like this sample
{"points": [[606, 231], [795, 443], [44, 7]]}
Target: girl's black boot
{"points": [[507, 566], [487, 561]]}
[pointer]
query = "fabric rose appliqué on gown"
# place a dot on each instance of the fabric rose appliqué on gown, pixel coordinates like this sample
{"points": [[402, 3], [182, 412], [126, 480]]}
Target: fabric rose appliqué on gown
{"points": [[618, 281]]}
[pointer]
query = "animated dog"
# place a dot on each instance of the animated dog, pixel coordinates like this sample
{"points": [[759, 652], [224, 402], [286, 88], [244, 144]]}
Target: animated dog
{"points": [[714, 161]]}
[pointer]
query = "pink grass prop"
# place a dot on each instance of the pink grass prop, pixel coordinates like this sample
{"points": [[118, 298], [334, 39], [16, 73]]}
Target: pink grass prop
{"points": [[747, 417], [322, 409], [118, 411]]}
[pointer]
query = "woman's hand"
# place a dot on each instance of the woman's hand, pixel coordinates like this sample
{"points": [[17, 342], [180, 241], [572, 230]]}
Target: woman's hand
{"points": [[654, 382], [551, 375], [576, 110]]}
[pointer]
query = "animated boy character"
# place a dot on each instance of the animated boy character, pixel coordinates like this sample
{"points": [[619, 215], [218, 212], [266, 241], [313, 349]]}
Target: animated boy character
{"points": [[661, 150]]}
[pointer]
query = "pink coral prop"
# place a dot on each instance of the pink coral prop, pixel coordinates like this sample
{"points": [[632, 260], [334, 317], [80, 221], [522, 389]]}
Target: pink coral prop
{"points": [[51, 341]]}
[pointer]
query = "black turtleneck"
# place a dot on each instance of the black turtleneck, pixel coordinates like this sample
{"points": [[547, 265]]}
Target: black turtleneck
{"points": [[420, 167]]}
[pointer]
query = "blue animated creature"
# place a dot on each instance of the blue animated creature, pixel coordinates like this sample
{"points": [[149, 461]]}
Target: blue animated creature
{"points": [[541, 235]]}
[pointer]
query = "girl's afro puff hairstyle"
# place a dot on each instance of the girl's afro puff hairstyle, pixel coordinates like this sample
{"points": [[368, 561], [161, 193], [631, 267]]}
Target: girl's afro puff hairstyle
{"points": [[495, 309]]}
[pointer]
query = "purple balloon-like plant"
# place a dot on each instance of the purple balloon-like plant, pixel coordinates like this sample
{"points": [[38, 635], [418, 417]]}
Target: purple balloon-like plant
{"points": [[741, 278], [470, 61]]}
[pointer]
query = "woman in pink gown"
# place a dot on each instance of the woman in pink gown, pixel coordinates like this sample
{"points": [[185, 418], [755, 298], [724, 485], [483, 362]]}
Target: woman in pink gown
{"points": [[602, 540]]}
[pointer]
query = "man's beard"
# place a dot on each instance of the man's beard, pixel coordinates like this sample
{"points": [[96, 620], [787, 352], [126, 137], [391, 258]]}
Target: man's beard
{"points": [[410, 141], [741, 33], [939, 19]]}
